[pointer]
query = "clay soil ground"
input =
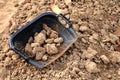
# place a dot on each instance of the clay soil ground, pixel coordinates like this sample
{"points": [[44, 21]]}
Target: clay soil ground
{"points": [[94, 56]]}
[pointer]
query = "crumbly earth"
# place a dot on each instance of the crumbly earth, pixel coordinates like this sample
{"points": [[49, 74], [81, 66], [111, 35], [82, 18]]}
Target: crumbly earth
{"points": [[43, 44], [94, 56]]}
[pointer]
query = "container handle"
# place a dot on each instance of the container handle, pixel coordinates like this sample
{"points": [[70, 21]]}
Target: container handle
{"points": [[65, 19]]}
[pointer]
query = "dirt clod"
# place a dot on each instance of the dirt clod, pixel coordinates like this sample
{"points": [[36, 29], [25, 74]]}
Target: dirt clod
{"points": [[89, 54], [49, 40], [51, 49], [35, 44], [115, 57], [40, 38], [91, 67], [39, 56], [58, 40], [28, 49], [53, 34]]}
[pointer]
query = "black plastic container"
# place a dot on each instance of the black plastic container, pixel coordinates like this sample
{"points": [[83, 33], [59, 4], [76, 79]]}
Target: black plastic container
{"points": [[20, 38]]}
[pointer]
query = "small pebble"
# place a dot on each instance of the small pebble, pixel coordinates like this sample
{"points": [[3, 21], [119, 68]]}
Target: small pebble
{"points": [[83, 28], [119, 71], [58, 40], [7, 60], [75, 27], [6, 48], [104, 59], [15, 57], [95, 36], [83, 40], [58, 44], [45, 57], [11, 52], [109, 76]]}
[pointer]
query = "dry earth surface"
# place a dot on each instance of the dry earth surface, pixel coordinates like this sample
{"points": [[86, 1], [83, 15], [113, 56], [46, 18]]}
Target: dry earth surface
{"points": [[94, 56]]}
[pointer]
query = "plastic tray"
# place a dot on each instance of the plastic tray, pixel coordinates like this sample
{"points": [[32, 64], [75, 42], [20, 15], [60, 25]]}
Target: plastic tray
{"points": [[20, 38]]}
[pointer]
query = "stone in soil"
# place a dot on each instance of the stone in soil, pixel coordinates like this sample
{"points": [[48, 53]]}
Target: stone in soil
{"points": [[104, 59], [7, 60], [45, 57], [15, 56], [83, 28]]}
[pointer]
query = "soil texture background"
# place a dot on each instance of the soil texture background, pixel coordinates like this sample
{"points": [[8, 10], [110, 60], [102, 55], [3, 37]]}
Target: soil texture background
{"points": [[94, 56]]}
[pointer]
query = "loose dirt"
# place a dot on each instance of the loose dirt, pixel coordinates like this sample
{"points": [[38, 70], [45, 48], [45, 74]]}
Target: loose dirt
{"points": [[94, 56]]}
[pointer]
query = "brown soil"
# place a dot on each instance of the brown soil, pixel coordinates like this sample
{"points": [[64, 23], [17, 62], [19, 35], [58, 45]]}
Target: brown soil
{"points": [[91, 57]]}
